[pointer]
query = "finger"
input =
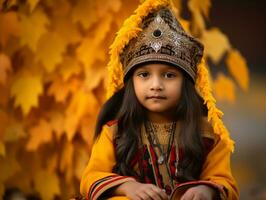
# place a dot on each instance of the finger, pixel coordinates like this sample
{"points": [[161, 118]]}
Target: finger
{"points": [[153, 195], [160, 192], [144, 196], [188, 195]]}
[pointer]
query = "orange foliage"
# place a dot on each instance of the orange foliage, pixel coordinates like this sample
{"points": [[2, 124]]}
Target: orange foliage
{"points": [[53, 57]]}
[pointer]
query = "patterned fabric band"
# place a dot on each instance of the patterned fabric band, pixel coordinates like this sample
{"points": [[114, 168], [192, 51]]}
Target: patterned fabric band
{"points": [[163, 39]]}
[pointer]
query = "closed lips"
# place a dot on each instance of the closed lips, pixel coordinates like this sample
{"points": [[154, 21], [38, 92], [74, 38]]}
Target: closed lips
{"points": [[156, 97]]}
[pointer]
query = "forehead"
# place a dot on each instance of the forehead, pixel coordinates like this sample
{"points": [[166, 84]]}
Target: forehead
{"points": [[156, 66]]}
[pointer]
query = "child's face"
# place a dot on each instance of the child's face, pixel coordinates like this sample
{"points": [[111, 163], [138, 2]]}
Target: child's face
{"points": [[158, 87]]}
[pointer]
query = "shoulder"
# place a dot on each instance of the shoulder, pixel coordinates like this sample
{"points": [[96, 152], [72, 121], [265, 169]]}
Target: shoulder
{"points": [[110, 128], [207, 129]]}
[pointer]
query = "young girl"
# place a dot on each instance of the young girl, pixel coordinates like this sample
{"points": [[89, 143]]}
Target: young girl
{"points": [[153, 138]]}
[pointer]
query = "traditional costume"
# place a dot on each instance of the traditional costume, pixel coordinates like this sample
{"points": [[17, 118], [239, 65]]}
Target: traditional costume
{"points": [[154, 34]]}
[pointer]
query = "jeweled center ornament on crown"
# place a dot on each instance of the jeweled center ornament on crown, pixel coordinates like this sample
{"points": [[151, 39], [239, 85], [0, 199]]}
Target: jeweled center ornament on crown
{"points": [[157, 33], [158, 19], [156, 46]]}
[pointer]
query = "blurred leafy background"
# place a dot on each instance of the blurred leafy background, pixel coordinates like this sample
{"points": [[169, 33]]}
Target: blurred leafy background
{"points": [[53, 57]]}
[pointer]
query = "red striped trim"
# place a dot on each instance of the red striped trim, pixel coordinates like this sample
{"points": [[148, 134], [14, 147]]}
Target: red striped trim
{"points": [[98, 182], [112, 122], [106, 183]]}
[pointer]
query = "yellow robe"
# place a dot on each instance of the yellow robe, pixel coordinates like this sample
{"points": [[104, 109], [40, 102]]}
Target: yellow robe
{"points": [[98, 177]]}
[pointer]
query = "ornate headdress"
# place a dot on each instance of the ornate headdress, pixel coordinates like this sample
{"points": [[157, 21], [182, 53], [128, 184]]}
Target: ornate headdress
{"points": [[163, 39], [153, 33]]}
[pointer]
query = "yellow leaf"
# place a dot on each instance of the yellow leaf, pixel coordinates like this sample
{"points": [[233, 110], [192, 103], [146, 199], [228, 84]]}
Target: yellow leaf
{"points": [[202, 5], [33, 4], [103, 7], [198, 23], [81, 103], [14, 131], [52, 163], [39, 134], [216, 44], [177, 4], [80, 161], [61, 89], [67, 30], [185, 24], [224, 88], [5, 95], [5, 67], [69, 67], [34, 26], [238, 68], [9, 26], [94, 76], [26, 88], [3, 122], [66, 161], [57, 123], [7, 5], [47, 184], [9, 165], [85, 13], [49, 50], [2, 149], [91, 45]]}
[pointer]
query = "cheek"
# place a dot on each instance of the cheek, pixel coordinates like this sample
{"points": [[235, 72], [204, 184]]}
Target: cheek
{"points": [[175, 91], [137, 88]]}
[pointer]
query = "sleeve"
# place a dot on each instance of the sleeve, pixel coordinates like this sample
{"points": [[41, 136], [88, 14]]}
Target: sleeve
{"points": [[97, 176], [217, 171]]}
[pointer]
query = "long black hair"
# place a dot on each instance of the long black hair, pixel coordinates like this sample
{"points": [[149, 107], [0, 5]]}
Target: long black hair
{"points": [[124, 107]]}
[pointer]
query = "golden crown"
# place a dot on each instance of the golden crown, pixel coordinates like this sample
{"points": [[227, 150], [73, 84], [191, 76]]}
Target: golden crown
{"points": [[163, 39]]}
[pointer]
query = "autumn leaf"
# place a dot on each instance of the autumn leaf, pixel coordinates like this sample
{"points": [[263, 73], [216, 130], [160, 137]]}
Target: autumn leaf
{"points": [[39, 134], [5, 67], [61, 89], [52, 163], [80, 161], [33, 4], [3, 121], [238, 68], [47, 184], [9, 165], [50, 50], [216, 44], [90, 50], [14, 131], [25, 89], [200, 5], [185, 24], [93, 77], [67, 30], [9, 26], [81, 103], [69, 67], [66, 160], [57, 123], [34, 26], [103, 7], [2, 149], [224, 88], [81, 14]]}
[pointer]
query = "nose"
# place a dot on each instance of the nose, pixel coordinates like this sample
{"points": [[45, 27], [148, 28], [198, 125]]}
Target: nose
{"points": [[156, 83]]}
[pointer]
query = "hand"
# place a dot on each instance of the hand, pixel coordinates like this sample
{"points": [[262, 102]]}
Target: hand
{"points": [[200, 192], [139, 191]]}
